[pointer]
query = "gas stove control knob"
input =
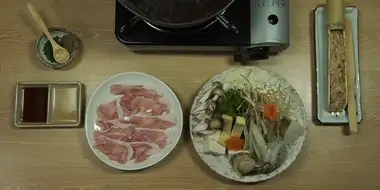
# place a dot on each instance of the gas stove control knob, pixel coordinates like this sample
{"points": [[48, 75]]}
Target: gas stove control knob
{"points": [[244, 55], [241, 57]]}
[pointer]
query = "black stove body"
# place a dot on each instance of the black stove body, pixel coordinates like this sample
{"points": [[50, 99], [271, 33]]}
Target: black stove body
{"points": [[262, 30]]}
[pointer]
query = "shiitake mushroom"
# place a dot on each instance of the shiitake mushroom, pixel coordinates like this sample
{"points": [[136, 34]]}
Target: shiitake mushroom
{"points": [[217, 83], [215, 123], [217, 115], [220, 100], [217, 91]]}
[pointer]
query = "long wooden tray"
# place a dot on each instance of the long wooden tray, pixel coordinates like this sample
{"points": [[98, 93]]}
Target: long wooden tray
{"points": [[323, 116]]}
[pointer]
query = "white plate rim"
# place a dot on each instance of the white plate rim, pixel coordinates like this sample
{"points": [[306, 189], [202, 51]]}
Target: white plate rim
{"points": [[180, 121], [286, 164]]}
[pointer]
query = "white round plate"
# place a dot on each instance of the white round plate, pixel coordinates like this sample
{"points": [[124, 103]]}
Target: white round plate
{"points": [[256, 76], [102, 95]]}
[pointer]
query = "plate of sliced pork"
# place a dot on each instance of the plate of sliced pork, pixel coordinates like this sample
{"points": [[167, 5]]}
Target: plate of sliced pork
{"points": [[133, 121]]}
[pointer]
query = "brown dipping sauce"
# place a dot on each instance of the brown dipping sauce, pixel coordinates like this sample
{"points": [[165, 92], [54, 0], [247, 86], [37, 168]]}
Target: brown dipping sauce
{"points": [[35, 105]]}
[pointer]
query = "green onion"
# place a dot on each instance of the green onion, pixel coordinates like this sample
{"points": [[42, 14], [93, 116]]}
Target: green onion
{"points": [[233, 103]]}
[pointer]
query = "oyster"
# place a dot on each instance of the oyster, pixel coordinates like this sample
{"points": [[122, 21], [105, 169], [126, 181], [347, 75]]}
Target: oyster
{"points": [[243, 163]]}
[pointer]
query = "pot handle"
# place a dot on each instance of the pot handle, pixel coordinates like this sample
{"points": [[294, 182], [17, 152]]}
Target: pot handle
{"points": [[130, 24], [227, 24]]}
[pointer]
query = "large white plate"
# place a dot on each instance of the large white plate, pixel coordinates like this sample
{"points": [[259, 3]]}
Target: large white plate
{"points": [[256, 76], [102, 95]]}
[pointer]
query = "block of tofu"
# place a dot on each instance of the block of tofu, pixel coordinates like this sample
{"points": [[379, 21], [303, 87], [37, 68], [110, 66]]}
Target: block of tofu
{"points": [[213, 145], [227, 127], [238, 128]]}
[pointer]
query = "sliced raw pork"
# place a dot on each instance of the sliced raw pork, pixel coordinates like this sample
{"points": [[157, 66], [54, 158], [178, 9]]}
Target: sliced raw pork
{"points": [[115, 150], [125, 103], [135, 90], [107, 111], [127, 133], [140, 152], [138, 104], [121, 134], [110, 124], [106, 125], [149, 122], [151, 135], [122, 152]]}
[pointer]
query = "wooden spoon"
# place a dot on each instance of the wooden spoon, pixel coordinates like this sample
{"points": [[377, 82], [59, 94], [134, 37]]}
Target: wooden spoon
{"points": [[61, 55]]}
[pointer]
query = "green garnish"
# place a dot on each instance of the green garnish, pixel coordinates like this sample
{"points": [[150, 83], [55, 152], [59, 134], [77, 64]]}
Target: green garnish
{"points": [[48, 49], [233, 103]]}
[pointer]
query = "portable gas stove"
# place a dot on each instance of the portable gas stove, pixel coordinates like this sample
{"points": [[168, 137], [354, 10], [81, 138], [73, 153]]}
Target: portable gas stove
{"points": [[261, 30]]}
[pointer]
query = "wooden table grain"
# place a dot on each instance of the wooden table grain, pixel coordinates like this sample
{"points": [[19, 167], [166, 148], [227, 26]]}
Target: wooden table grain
{"points": [[52, 159]]}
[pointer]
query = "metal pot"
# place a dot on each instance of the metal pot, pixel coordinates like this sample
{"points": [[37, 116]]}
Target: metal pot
{"points": [[178, 13]]}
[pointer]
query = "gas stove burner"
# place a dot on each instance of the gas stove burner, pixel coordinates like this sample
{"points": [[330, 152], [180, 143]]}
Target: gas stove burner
{"points": [[187, 30]]}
